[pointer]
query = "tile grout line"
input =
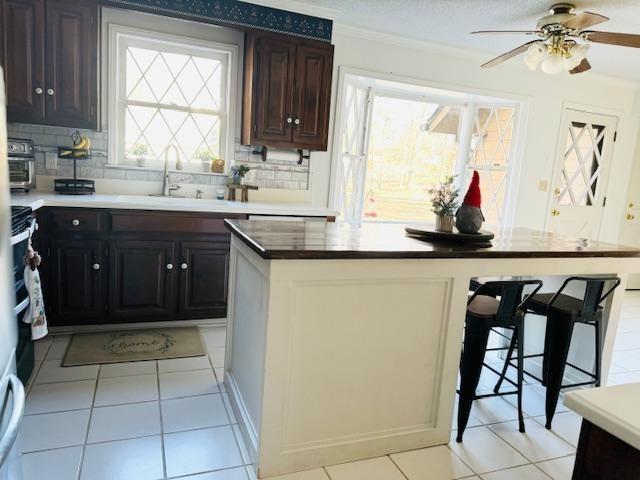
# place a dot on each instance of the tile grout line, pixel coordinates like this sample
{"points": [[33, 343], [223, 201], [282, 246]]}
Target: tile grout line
{"points": [[162, 448], [86, 437]]}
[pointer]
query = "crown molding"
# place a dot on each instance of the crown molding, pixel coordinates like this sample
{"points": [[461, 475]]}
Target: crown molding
{"points": [[300, 7], [462, 53]]}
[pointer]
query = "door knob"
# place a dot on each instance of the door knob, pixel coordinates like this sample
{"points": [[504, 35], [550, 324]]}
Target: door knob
{"points": [[38, 91], [96, 266], [75, 222], [297, 121], [289, 119], [50, 91], [184, 266], [169, 266]]}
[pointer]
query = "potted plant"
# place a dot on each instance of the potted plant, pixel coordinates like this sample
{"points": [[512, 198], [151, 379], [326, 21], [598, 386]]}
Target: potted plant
{"points": [[207, 157], [140, 150], [237, 173], [444, 203]]}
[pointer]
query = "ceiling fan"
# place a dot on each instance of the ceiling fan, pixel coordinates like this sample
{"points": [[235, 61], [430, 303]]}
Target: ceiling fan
{"points": [[563, 41]]}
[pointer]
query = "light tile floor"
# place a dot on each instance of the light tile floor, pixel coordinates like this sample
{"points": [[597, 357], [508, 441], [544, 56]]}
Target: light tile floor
{"points": [[171, 419]]}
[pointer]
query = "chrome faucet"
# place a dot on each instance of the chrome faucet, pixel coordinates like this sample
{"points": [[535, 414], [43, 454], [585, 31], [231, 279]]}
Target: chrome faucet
{"points": [[167, 188]]}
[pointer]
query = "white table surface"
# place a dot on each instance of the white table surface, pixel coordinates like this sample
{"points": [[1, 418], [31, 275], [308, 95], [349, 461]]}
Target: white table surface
{"points": [[615, 409]]}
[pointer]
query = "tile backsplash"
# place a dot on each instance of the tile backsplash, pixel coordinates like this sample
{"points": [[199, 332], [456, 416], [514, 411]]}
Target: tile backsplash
{"points": [[277, 174]]}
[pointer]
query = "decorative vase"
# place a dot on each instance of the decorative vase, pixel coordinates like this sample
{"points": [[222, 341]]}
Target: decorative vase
{"points": [[141, 161], [206, 166], [236, 178], [444, 223]]}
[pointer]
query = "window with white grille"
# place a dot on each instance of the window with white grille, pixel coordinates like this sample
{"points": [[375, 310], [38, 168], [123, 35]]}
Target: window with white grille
{"points": [[490, 155], [397, 140], [169, 91]]}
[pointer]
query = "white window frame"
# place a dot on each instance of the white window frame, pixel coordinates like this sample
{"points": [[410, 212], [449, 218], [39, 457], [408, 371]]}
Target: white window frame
{"points": [[468, 100], [118, 37]]}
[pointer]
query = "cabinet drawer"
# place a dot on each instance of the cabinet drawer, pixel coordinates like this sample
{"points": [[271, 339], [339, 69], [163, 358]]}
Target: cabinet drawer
{"points": [[170, 222], [77, 220]]}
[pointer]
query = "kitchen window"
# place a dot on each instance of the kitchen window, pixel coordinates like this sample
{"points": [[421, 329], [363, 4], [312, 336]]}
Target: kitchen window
{"points": [[398, 140], [168, 91]]}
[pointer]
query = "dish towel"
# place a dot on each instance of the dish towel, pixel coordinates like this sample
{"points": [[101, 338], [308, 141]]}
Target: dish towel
{"points": [[34, 314]]}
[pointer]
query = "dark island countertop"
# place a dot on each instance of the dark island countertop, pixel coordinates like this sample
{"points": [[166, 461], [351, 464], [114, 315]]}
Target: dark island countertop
{"points": [[277, 240]]}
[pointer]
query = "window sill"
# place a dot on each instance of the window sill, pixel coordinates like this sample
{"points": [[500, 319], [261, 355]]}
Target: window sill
{"points": [[160, 169]]}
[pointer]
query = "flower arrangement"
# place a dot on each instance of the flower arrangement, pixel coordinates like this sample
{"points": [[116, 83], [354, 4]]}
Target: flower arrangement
{"points": [[444, 198], [238, 172]]}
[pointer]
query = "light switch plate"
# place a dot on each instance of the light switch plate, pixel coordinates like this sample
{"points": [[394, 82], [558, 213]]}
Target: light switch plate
{"points": [[51, 160]]}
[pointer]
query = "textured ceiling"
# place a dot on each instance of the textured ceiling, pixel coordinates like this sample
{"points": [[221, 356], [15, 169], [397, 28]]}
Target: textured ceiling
{"points": [[450, 21]]}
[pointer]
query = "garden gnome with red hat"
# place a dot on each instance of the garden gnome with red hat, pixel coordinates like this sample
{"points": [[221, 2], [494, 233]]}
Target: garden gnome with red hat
{"points": [[469, 217]]}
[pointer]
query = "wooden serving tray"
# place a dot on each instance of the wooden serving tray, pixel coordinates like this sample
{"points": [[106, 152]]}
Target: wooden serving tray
{"points": [[482, 238]]}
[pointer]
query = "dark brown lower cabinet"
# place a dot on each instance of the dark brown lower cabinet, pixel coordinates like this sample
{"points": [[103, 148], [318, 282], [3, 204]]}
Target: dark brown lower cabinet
{"points": [[203, 278], [142, 279], [116, 266], [77, 273]]}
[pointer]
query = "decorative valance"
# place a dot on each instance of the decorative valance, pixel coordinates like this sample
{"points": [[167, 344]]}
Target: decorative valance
{"points": [[236, 13]]}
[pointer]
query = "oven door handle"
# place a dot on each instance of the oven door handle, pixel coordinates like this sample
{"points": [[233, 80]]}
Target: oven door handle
{"points": [[26, 234], [13, 383]]}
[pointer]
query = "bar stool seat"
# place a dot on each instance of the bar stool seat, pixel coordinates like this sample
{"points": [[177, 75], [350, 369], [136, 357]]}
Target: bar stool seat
{"points": [[564, 304]]}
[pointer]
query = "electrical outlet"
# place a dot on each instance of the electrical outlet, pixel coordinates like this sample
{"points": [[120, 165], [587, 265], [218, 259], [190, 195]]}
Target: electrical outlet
{"points": [[51, 160], [543, 185]]}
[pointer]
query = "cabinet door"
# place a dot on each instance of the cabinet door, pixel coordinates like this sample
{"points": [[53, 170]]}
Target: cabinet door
{"points": [[273, 95], [77, 272], [203, 279], [22, 57], [142, 279], [312, 96], [71, 63]]}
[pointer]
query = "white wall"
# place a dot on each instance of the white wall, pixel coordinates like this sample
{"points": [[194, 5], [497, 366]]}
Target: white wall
{"points": [[455, 69]]}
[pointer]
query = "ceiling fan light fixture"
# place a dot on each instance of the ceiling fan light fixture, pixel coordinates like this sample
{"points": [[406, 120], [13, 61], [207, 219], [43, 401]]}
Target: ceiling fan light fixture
{"points": [[535, 54], [553, 64]]}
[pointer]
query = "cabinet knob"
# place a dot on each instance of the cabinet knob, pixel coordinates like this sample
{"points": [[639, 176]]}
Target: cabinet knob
{"points": [[96, 266], [297, 121], [184, 266], [50, 91], [169, 266], [75, 222], [289, 119], [38, 91]]}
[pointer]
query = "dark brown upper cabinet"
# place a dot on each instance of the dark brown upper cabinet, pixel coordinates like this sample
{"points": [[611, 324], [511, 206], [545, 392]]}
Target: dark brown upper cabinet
{"points": [[49, 52], [287, 91]]}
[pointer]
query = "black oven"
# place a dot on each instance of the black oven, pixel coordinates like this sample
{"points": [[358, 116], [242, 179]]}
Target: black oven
{"points": [[23, 225]]}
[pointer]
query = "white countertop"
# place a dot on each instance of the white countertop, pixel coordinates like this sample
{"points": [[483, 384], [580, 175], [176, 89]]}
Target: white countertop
{"points": [[614, 409], [37, 200]]}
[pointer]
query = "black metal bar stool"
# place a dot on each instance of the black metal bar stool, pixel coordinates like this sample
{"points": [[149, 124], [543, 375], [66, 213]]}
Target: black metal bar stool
{"points": [[485, 312], [563, 312]]}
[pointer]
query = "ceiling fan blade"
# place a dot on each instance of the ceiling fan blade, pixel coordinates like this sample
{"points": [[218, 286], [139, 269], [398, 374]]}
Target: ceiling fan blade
{"points": [[520, 32], [584, 20], [583, 66], [610, 38], [510, 54]]}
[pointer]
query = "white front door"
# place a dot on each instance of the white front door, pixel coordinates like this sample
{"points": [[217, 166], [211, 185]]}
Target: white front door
{"points": [[581, 174]]}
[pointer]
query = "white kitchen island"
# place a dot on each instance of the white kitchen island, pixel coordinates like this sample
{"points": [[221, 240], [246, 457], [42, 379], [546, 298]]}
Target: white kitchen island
{"points": [[344, 342]]}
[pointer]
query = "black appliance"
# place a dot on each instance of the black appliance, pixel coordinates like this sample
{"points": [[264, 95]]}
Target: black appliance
{"points": [[22, 227]]}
